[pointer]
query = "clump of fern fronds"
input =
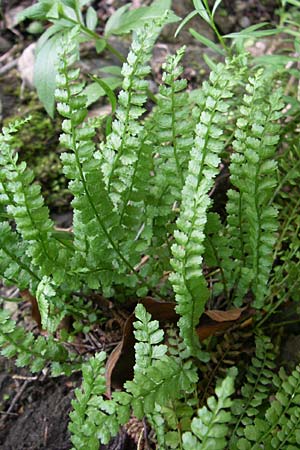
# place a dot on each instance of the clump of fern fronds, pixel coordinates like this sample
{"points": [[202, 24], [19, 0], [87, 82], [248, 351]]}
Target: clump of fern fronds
{"points": [[36, 353]]}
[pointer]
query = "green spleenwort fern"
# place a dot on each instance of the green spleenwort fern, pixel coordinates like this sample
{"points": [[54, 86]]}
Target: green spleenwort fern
{"points": [[255, 390], [158, 379], [210, 428], [280, 426], [251, 219], [226, 423], [26, 206], [142, 208], [187, 279], [33, 352]]}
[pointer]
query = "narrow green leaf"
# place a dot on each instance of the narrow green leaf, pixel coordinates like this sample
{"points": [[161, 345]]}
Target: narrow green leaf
{"points": [[207, 42], [112, 99], [94, 90], [216, 5], [211, 64], [246, 34], [185, 21], [202, 11]]}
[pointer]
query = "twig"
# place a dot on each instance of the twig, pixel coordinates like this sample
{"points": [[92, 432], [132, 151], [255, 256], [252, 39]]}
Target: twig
{"points": [[17, 396], [22, 377], [8, 67], [5, 413], [146, 440]]}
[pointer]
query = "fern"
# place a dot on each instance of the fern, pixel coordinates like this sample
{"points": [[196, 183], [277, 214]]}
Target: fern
{"points": [[126, 157], [251, 220], [210, 428], [143, 205], [33, 352], [15, 265], [25, 206], [94, 418], [158, 378], [280, 427], [187, 279], [172, 131], [256, 390], [92, 205], [162, 378]]}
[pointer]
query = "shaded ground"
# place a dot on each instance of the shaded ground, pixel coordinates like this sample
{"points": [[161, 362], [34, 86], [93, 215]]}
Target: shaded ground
{"points": [[39, 417]]}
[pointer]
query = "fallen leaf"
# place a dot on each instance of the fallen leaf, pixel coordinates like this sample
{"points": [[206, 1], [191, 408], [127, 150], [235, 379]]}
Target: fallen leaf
{"points": [[119, 366], [28, 297], [224, 316]]}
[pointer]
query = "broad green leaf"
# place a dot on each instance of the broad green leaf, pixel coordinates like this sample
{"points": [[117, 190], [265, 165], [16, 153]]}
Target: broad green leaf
{"points": [[71, 3], [128, 21], [54, 12], [113, 70], [91, 18], [294, 3], [207, 42], [114, 21], [47, 35], [45, 71], [38, 11]]}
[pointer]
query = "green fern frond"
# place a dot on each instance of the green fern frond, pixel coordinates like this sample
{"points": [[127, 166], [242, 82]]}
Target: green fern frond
{"points": [[172, 134], [252, 222], [217, 253], [33, 352], [47, 301], [148, 336], [210, 428], [126, 157], [98, 252], [26, 206], [95, 419], [187, 279], [15, 265], [162, 379], [256, 389], [280, 427], [120, 153]]}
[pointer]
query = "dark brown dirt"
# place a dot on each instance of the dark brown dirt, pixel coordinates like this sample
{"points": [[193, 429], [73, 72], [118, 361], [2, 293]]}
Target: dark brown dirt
{"points": [[39, 418]]}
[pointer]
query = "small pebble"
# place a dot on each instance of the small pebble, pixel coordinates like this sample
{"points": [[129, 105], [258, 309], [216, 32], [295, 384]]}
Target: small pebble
{"points": [[244, 22]]}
